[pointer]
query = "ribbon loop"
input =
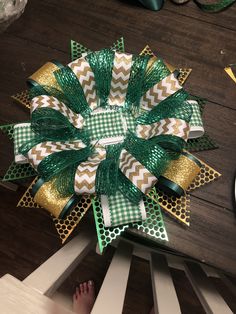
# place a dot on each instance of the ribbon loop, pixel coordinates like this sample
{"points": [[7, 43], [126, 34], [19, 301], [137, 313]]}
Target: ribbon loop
{"points": [[45, 101], [44, 76], [160, 91], [46, 195], [85, 177], [86, 173], [171, 126], [136, 172], [85, 75], [73, 91], [148, 153], [118, 210], [36, 154], [22, 134], [179, 174], [120, 78], [196, 124]]}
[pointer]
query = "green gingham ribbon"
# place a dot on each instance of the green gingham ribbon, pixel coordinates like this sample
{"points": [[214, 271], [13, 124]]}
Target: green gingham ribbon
{"points": [[108, 124], [118, 210], [196, 123], [22, 134]]}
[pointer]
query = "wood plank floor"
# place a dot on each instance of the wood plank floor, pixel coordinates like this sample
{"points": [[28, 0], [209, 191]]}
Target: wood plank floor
{"points": [[182, 35]]}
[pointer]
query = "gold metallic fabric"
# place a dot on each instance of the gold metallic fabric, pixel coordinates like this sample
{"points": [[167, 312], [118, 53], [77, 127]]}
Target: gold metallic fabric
{"points": [[44, 75], [50, 199], [182, 171]]}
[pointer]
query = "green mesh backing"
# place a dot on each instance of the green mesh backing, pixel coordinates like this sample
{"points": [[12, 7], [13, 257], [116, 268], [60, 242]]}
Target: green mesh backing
{"points": [[204, 142], [153, 227], [78, 49], [19, 171], [8, 129]]}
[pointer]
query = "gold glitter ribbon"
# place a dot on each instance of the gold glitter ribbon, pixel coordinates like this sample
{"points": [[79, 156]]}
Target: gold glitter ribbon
{"points": [[47, 196], [44, 76], [179, 174]]}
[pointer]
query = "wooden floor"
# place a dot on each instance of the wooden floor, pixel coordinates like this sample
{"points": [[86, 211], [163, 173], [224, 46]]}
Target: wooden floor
{"points": [[182, 35]]}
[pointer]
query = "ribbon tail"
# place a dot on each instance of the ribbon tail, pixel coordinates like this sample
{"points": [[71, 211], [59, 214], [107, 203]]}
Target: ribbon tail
{"points": [[154, 225], [118, 210], [105, 235]]}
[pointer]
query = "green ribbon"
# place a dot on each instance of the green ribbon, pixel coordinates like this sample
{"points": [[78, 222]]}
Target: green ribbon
{"points": [[107, 172], [170, 187], [214, 7], [73, 91], [101, 63], [154, 5]]}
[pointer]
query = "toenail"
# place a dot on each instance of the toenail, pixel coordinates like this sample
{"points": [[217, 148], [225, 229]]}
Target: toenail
{"points": [[90, 282]]}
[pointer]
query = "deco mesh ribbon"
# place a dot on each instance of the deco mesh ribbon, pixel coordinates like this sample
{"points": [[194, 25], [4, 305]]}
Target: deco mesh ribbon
{"points": [[109, 124]]}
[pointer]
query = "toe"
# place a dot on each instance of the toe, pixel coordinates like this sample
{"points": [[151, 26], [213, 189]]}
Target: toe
{"points": [[81, 287], [91, 286], [85, 287], [77, 291]]}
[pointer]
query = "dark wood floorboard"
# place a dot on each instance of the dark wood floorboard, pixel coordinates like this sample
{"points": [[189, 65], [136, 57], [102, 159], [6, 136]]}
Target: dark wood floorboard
{"points": [[97, 22], [226, 19]]}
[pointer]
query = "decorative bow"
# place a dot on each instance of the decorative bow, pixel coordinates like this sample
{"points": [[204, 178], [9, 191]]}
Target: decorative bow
{"points": [[113, 125], [107, 126]]}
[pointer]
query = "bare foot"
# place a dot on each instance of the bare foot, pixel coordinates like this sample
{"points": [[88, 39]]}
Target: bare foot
{"points": [[84, 298]]}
